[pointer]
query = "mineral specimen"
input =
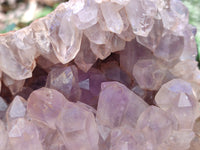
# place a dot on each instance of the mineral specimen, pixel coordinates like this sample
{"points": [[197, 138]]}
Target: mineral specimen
{"points": [[101, 75]]}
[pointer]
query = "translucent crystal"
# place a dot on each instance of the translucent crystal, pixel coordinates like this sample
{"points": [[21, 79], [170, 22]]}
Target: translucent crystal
{"points": [[148, 74], [170, 47], [112, 17], [156, 124], [15, 86], [24, 136], [45, 105], [116, 102], [176, 97], [19, 52], [85, 58], [140, 21], [127, 68], [65, 80], [67, 41], [17, 109], [78, 128]]}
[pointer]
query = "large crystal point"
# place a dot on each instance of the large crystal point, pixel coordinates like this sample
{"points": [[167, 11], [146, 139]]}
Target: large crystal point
{"points": [[127, 68], [44, 105], [67, 39]]}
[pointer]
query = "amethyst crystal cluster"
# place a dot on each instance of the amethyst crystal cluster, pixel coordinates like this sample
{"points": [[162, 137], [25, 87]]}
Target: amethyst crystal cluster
{"points": [[102, 75]]}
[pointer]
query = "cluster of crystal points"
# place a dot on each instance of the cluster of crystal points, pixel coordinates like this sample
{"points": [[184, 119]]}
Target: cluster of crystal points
{"points": [[122, 75]]}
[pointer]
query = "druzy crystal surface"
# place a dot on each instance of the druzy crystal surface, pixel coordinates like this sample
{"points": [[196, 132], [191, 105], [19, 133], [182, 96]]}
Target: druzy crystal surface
{"points": [[102, 75]]}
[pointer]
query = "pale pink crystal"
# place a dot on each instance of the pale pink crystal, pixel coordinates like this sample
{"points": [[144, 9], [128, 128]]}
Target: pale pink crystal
{"points": [[24, 136], [108, 115], [195, 144], [176, 97], [124, 138], [78, 128], [156, 124], [101, 51], [187, 70], [45, 105], [174, 16], [138, 17], [18, 54], [178, 140], [96, 35], [112, 17], [67, 41], [84, 13], [15, 86]]}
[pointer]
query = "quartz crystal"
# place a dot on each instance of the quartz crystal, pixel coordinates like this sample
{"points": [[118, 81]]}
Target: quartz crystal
{"points": [[116, 103], [45, 105], [102, 75], [176, 96]]}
